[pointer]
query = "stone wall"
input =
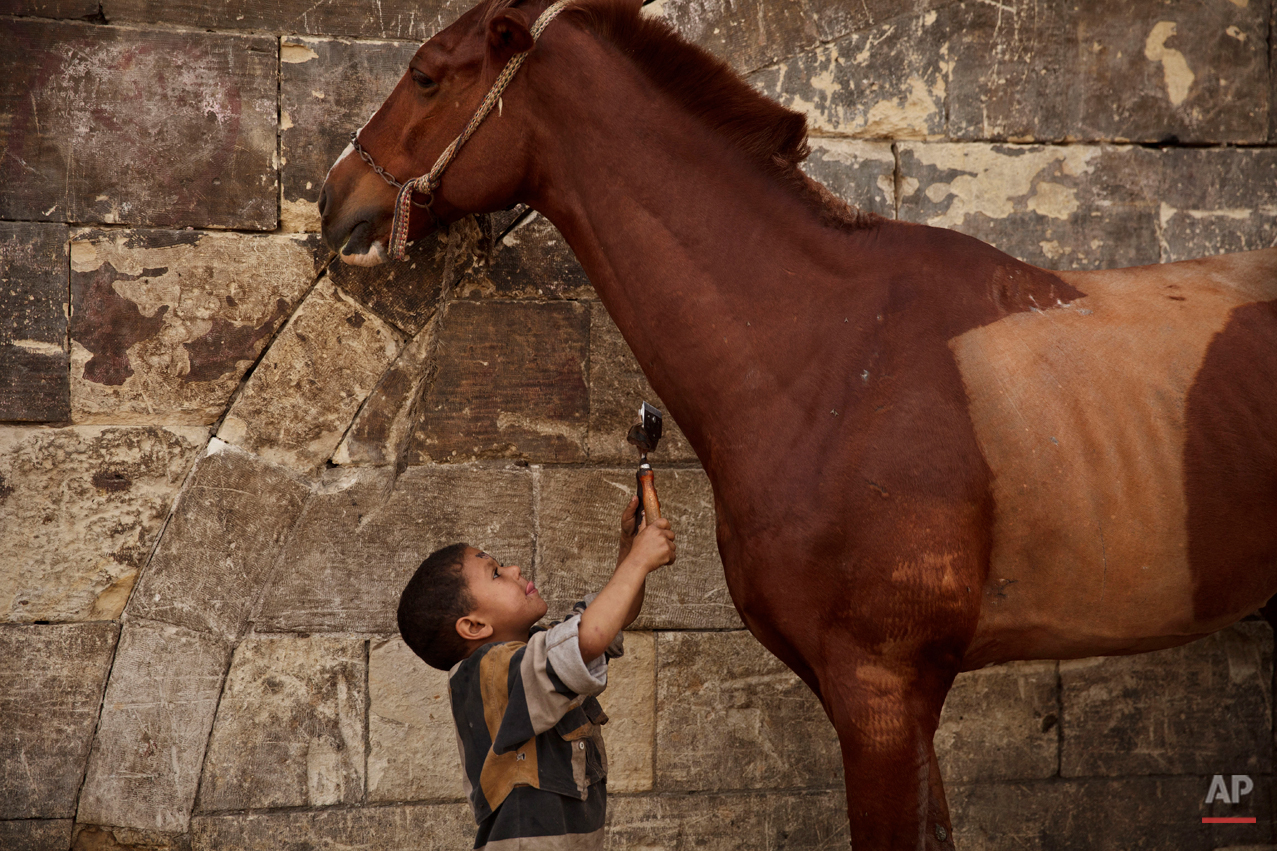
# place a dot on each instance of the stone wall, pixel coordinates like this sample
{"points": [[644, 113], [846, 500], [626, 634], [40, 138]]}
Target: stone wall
{"points": [[219, 464]]}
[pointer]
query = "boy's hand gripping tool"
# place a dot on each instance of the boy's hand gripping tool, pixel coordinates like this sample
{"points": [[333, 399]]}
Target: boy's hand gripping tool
{"points": [[645, 435]]}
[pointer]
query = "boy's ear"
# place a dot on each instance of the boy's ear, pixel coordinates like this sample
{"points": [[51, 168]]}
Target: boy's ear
{"points": [[508, 33], [472, 629]]}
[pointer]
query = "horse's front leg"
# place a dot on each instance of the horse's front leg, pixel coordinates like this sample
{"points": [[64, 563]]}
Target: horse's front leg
{"points": [[886, 711]]}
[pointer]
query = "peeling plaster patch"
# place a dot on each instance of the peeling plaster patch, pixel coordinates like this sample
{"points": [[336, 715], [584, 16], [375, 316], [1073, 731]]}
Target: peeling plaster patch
{"points": [[299, 216], [549, 428], [992, 179], [39, 348], [1174, 66], [295, 54], [891, 119], [1236, 215], [1236, 33]]}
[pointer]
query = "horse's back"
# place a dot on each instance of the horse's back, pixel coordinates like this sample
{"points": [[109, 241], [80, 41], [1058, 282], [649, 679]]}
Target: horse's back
{"points": [[1132, 438]]}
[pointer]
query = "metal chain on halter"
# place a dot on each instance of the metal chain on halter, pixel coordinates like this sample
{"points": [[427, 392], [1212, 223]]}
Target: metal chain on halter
{"points": [[427, 183], [377, 170]]}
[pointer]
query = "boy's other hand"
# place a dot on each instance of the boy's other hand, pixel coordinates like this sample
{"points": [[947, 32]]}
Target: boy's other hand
{"points": [[653, 546]]}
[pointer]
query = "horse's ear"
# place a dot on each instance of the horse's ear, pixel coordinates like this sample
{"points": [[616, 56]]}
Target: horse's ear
{"points": [[508, 33]]}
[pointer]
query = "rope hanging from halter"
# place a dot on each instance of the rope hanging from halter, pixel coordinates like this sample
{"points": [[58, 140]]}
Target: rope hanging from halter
{"points": [[427, 183]]}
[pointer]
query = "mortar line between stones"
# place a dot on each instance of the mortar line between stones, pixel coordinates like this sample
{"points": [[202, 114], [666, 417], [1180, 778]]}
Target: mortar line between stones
{"points": [[97, 727], [897, 180], [367, 714], [247, 32], [231, 646], [279, 133]]}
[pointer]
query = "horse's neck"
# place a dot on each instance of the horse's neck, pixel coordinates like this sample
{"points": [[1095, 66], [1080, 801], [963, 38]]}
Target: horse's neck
{"points": [[698, 256]]}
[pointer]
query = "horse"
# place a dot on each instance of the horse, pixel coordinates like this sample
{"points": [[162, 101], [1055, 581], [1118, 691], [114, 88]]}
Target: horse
{"points": [[926, 456]]}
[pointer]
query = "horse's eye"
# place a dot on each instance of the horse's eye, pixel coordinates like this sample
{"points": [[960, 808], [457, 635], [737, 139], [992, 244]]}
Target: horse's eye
{"points": [[423, 82]]}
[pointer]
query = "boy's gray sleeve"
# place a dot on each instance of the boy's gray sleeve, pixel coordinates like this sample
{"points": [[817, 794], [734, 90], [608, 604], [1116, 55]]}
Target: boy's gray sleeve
{"points": [[617, 646]]}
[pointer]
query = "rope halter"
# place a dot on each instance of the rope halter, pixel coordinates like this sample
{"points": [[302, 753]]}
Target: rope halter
{"points": [[427, 183]]}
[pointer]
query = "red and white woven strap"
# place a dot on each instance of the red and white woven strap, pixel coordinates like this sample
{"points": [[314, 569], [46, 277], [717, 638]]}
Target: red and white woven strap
{"points": [[427, 183]]}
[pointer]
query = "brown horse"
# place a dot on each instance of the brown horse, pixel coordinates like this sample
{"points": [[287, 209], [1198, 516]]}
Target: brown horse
{"points": [[927, 456]]}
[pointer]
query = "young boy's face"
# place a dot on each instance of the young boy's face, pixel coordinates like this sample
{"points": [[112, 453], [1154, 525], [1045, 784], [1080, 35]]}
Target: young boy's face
{"points": [[503, 597]]}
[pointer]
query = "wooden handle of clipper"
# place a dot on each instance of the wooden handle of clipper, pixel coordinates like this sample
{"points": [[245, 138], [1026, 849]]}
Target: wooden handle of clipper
{"points": [[647, 486]]}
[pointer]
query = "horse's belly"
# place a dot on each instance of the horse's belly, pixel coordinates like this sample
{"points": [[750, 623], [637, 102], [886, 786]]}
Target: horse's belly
{"points": [[1080, 413]]}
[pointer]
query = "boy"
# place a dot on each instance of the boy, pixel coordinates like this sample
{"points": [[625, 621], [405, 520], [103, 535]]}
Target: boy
{"points": [[528, 724]]}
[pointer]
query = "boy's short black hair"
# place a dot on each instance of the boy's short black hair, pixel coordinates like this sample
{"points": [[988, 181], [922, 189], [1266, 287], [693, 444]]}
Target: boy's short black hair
{"points": [[430, 605]]}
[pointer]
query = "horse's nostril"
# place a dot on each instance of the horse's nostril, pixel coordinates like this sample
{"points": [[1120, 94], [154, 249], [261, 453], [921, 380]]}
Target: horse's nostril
{"points": [[323, 200]]}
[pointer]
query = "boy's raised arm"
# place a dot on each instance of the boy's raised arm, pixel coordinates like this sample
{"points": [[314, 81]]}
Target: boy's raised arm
{"points": [[619, 602]]}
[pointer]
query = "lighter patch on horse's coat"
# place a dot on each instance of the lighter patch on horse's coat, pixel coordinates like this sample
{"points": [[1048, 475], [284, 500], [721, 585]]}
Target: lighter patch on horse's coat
{"points": [[1178, 76], [374, 256], [1079, 412]]}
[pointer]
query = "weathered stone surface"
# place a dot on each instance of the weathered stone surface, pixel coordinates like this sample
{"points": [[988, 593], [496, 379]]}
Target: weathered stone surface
{"points": [[404, 294], [165, 323], [618, 388], [364, 533], [732, 716], [511, 384], [83, 145], [80, 509], [748, 35], [531, 261], [579, 513], [1030, 71], [803, 821], [50, 8], [36, 835], [51, 682], [860, 173], [836, 18], [1204, 708], [97, 838], [630, 704], [1215, 201], [327, 89], [220, 545], [412, 741], [421, 827], [1001, 724], [301, 398], [1151, 814], [1058, 207], [33, 323], [156, 718], [290, 726], [887, 82], [407, 19]]}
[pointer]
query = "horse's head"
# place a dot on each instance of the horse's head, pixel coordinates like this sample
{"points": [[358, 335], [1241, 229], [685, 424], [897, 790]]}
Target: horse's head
{"points": [[432, 105]]}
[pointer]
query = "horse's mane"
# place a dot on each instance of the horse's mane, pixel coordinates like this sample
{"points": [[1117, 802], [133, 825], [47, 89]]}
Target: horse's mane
{"points": [[773, 137]]}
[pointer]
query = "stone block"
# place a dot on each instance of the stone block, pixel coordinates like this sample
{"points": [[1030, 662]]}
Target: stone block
{"points": [[290, 726], [327, 89], [49, 8], [579, 513], [81, 509], [748, 35], [1214, 201], [531, 261], [156, 718], [405, 294], [837, 18], [630, 704], [860, 173], [94, 837], [33, 327], [421, 827], [406, 19], [51, 682], [82, 145], [1001, 724], [618, 388], [33, 835], [1147, 813], [793, 821], [1204, 708], [220, 545], [1188, 73], [886, 82], [303, 395], [510, 384], [412, 741], [165, 323], [1060, 207], [364, 533], [732, 716]]}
